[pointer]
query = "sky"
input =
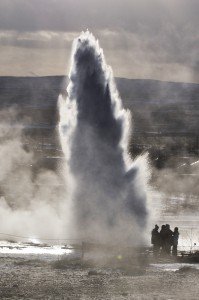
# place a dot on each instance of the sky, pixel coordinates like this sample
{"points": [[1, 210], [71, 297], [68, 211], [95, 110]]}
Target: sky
{"points": [[146, 39]]}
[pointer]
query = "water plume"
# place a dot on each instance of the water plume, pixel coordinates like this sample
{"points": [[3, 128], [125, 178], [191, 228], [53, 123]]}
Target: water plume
{"points": [[109, 190]]}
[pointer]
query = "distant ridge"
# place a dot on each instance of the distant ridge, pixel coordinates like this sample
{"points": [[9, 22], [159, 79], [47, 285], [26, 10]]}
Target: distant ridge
{"points": [[157, 106], [116, 78], [165, 116]]}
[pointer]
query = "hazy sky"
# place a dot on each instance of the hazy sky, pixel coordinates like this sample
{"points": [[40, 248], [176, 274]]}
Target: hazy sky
{"points": [[156, 39]]}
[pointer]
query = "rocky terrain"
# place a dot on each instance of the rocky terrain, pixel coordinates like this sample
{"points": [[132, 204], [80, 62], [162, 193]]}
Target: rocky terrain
{"points": [[37, 279]]}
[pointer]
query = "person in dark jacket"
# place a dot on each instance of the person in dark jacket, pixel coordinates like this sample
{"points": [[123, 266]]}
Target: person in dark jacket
{"points": [[155, 240], [175, 241], [168, 239], [163, 239]]}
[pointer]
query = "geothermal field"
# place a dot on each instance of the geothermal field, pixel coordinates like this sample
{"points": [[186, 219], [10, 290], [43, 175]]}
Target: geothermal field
{"points": [[89, 164]]}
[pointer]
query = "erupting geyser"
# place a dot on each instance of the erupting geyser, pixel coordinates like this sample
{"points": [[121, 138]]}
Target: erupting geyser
{"points": [[107, 189]]}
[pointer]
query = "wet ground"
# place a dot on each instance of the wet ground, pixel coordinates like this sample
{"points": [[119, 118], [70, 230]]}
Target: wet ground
{"points": [[35, 277]]}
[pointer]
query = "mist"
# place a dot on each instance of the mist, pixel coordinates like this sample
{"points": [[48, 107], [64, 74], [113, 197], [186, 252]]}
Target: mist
{"points": [[32, 204]]}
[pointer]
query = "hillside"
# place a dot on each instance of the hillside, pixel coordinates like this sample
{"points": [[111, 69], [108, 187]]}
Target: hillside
{"points": [[165, 114]]}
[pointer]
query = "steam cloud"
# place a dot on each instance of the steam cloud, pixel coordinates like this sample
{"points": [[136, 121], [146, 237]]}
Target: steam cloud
{"points": [[31, 205], [104, 193], [109, 189]]}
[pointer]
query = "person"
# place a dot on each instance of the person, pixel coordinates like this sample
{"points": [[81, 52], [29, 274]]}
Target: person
{"points": [[155, 240], [168, 239], [162, 239], [175, 241]]}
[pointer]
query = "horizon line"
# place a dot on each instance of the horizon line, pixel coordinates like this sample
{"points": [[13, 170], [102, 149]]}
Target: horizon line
{"points": [[116, 77]]}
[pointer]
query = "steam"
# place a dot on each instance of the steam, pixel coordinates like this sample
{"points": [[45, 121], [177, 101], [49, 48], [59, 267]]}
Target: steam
{"points": [[31, 204], [109, 189], [99, 192]]}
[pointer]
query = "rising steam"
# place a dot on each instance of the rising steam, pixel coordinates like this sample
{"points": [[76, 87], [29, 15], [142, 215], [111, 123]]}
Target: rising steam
{"points": [[31, 205], [109, 189]]}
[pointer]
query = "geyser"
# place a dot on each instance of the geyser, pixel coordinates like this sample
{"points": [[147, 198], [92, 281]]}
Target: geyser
{"points": [[107, 189]]}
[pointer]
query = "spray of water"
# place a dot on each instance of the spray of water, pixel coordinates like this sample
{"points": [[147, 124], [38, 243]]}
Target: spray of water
{"points": [[108, 193]]}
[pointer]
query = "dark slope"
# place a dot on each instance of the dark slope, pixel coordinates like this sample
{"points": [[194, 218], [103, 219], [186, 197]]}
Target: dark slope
{"points": [[160, 109], [164, 107]]}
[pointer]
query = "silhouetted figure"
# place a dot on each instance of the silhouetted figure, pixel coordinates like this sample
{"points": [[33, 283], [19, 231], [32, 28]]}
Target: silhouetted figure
{"points": [[163, 239], [175, 241], [168, 239], [155, 240]]}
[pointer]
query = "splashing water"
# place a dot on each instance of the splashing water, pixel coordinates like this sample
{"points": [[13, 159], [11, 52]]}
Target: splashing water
{"points": [[108, 189]]}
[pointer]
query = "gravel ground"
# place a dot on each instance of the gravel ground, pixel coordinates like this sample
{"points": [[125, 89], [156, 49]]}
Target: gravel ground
{"points": [[21, 278]]}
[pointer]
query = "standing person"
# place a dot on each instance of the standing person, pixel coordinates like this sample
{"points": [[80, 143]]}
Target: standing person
{"points": [[163, 239], [155, 240], [168, 239], [175, 241]]}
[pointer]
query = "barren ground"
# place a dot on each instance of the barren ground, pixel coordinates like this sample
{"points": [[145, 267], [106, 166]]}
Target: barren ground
{"points": [[21, 278]]}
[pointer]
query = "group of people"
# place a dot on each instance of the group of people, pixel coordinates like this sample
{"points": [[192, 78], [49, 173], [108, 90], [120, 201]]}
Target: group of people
{"points": [[164, 239]]}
